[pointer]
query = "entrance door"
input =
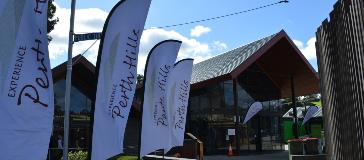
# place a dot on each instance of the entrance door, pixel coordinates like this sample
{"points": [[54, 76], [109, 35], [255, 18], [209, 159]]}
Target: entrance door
{"points": [[271, 132], [249, 135]]}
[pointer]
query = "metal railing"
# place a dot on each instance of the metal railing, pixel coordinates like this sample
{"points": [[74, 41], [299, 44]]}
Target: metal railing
{"points": [[198, 146]]}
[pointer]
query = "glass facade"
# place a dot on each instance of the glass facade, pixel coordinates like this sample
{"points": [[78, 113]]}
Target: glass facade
{"points": [[213, 114], [213, 117], [80, 113]]}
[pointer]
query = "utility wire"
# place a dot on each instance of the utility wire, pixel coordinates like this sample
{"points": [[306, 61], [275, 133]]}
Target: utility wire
{"points": [[198, 21], [84, 52], [219, 17]]}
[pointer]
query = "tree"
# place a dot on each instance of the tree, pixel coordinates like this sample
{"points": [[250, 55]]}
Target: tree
{"points": [[140, 79], [52, 20], [302, 101]]}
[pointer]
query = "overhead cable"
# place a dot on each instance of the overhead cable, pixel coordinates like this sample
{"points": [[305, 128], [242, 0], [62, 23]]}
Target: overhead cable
{"points": [[219, 17]]}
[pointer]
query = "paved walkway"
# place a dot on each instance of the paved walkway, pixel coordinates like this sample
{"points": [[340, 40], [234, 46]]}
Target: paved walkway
{"points": [[267, 156]]}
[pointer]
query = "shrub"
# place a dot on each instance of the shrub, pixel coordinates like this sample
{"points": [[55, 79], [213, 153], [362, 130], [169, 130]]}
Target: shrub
{"points": [[77, 155]]}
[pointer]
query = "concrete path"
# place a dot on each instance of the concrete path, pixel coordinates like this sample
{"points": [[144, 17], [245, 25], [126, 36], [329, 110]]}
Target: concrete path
{"points": [[266, 156]]}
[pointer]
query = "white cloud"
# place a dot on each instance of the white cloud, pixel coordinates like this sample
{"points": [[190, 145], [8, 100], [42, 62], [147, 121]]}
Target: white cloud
{"points": [[308, 49], [199, 30], [92, 19], [86, 20], [219, 46], [298, 43], [191, 48]]}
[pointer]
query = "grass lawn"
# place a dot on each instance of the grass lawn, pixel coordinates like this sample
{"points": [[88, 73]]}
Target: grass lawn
{"points": [[318, 103]]}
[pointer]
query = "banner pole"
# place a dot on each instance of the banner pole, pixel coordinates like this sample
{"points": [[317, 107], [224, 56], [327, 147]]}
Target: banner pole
{"points": [[68, 82], [141, 113], [163, 154]]}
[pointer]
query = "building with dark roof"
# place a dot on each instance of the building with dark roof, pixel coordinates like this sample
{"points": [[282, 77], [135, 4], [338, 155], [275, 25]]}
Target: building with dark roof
{"points": [[222, 89], [82, 95], [275, 55]]}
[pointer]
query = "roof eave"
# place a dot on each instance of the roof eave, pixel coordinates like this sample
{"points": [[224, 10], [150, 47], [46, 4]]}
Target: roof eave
{"points": [[208, 82], [241, 68]]}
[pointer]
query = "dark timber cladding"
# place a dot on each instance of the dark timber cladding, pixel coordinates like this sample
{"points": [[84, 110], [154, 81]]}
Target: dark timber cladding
{"points": [[340, 51]]}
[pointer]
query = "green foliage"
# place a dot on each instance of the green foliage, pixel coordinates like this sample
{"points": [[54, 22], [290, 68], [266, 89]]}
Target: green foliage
{"points": [[127, 158], [82, 155], [318, 103], [302, 101], [77, 155], [123, 157], [52, 20], [140, 79]]}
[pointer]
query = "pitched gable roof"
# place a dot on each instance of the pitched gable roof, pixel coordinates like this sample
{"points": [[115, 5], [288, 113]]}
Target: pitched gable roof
{"points": [[83, 75], [59, 71], [276, 56], [225, 63]]}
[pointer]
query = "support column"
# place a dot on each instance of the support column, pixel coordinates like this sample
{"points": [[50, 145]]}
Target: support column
{"points": [[258, 139], [237, 132], [295, 119]]}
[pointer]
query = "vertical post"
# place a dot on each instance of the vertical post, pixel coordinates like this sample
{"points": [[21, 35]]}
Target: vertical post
{"points": [[237, 133], [141, 123], [307, 127], [197, 147], [68, 82], [163, 155], [258, 139], [295, 119]]}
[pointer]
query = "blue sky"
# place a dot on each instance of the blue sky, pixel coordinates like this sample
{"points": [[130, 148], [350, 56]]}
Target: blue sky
{"points": [[299, 18]]}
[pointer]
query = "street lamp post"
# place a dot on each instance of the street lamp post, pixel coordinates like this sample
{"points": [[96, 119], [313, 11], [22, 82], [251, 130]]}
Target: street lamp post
{"points": [[68, 82]]}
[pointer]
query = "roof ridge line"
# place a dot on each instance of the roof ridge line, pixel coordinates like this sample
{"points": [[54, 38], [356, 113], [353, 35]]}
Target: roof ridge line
{"points": [[246, 44]]}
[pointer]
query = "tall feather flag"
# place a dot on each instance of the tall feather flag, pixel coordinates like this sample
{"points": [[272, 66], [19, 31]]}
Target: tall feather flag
{"points": [[26, 86], [117, 73], [155, 128], [178, 94], [253, 110], [310, 113]]}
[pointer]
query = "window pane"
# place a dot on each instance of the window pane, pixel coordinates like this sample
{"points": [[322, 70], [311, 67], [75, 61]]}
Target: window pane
{"points": [[215, 95], [229, 93], [80, 108], [244, 99]]}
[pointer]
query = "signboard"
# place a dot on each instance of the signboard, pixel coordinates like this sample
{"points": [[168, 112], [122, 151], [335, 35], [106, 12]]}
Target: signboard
{"points": [[155, 117], [231, 132], [117, 72], [26, 83], [87, 36], [178, 90]]}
